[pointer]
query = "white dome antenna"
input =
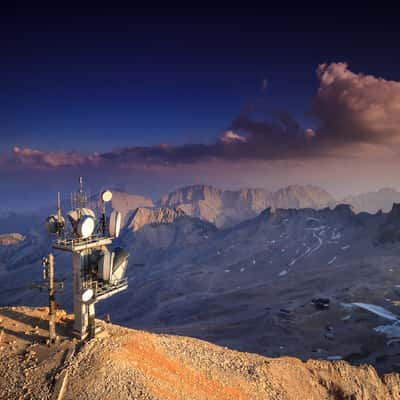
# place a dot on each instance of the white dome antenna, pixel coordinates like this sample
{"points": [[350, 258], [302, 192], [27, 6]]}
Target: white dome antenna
{"points": [[106, 196]]}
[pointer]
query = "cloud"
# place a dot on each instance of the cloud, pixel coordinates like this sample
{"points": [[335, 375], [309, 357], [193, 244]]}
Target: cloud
{"points": [[51, 159], [310, 133], [232, 137], [355, 115], [357, 108]]}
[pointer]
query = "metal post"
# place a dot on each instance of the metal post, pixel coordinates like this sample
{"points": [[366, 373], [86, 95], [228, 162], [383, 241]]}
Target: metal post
{"points": [[52, 305], [84, 324], [80, 323]]}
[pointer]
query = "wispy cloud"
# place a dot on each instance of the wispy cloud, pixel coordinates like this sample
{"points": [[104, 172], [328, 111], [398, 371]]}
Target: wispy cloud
{"points": [[51, 159]]}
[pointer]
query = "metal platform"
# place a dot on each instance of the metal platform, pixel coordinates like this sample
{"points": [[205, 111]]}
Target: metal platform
{"points": [[79, 244], [103, 291]]}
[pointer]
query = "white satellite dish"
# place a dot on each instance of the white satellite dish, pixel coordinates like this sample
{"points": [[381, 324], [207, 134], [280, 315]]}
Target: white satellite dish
{"points": [[86, 226], [87, 295], [115, 223], [119, 264], [104, 267], [106, 196]]}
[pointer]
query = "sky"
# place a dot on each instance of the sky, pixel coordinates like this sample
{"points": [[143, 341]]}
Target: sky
{"points": [[147, 103]]}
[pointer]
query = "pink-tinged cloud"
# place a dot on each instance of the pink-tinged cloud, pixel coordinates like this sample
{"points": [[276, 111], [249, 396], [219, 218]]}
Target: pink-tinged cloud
{"points": [[310, 133], [51, 159], [232, 137], [356, 115], [356, 107]]}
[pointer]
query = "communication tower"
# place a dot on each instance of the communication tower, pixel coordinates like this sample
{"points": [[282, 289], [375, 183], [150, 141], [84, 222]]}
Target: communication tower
{"points": [[97, 271]]}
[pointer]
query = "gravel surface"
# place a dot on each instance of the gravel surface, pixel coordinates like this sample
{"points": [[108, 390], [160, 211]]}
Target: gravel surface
{"points": [[122, 363]]}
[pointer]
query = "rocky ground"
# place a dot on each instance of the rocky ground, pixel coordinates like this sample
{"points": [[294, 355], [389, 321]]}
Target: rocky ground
{"points": [[122, 363]]}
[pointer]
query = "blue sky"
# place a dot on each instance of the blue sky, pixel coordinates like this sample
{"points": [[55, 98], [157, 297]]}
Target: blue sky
{"points": [[96, 84]]}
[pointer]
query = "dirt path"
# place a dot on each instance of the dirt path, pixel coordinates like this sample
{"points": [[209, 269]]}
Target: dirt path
{"points": [[169, 378]]}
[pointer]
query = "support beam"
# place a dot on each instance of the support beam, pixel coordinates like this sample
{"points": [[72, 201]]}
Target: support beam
{"points": [[52, 305]]}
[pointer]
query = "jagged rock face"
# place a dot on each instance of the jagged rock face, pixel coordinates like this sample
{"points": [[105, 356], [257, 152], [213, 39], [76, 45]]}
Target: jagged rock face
{"points": [[8, 239], [309, 218], [151, 232], [247, 199], [226, 208], [394, 216], [126, 203], [200, 201], [296, 196], [192, 194], [372, 202], [390, 230], [146, 216], [345, 210]]}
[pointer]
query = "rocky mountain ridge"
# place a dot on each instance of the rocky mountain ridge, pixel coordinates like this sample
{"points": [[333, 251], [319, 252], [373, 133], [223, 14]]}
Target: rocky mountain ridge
{"points": [[8, 239], [372, 202], [126, 203], [228, 207], [146, 216]]}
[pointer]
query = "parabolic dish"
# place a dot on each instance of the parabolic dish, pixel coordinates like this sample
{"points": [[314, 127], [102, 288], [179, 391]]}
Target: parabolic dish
{"points": [[86, 226], [87, 295], [106, 196], [115, 223]]}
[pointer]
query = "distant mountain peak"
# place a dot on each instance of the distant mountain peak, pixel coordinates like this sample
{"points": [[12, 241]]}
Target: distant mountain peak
{"points": [[372, 202], [228, 207], [126, 202], [147, 216], [8, 239]]}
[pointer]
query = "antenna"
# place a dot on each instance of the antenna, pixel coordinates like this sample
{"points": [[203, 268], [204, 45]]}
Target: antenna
{"points": [[58, 205], [80, 187], [59, 216], [80, 196]]}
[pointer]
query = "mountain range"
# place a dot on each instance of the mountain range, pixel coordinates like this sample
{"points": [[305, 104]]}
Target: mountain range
{"points": [[371, 202], [227, 207], [220, 266]]}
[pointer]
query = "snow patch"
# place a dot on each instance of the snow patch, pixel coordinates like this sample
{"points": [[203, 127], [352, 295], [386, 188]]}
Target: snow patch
{"points": [[390, 331], [332, 260], [377, 310]]}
